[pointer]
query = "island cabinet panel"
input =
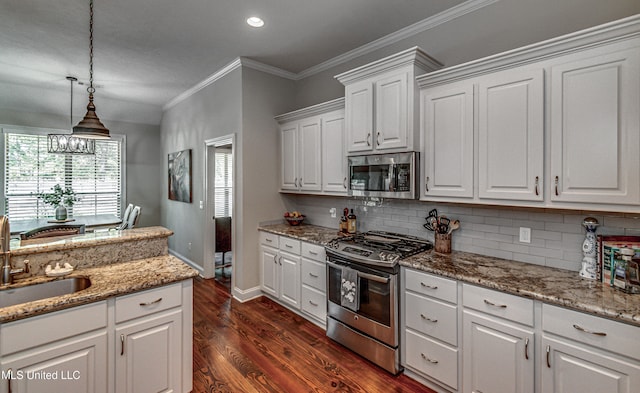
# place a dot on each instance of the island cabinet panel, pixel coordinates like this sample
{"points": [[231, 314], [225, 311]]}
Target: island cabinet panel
{"points": [[595, 116]]}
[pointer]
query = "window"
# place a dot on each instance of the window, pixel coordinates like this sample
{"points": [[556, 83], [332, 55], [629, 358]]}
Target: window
{"points": [[223, 188], [29, 170]]}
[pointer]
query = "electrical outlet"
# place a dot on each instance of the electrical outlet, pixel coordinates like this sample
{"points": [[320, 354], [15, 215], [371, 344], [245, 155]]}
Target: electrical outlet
{"points": [[333, 212], [201, 205], [525, 235], [189, 246]]}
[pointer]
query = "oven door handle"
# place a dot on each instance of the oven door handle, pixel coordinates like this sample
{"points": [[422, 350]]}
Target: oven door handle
{"points": [[368, 276]]}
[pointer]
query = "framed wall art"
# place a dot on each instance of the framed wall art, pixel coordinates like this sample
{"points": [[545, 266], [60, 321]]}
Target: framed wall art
{"points": [[180, 184]]}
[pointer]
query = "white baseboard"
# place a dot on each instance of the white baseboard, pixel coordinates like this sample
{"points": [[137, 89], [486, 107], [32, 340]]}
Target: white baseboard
{"points": [[188, 261], [244, 295]]}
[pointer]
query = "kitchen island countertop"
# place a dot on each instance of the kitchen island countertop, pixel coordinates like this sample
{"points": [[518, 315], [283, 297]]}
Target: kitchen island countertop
{"points": [[550, 285]]}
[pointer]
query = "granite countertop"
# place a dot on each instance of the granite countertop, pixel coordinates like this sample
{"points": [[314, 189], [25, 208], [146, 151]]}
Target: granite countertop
{"points": [[305, 232], [106, 281], [549, 285], [24, 247]]}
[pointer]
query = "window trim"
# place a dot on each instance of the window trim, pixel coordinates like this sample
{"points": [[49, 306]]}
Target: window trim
{"points": [[12, 129]]}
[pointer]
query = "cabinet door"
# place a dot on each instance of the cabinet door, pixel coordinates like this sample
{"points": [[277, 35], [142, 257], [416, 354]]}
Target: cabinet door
{"points": [[310, 155], [511, 135], [391, 124], [595, 116], [289, 156], [359, 116], [334, 163], [269, 270], [447, 136], [569, 367], [77, 365], [290, 284], [148, 355], [498, 357]]}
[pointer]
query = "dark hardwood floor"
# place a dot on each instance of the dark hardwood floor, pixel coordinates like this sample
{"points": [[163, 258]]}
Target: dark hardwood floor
{"points": [[260, 346]]}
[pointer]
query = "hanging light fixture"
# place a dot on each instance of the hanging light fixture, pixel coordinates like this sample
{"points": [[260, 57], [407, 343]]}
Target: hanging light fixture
{"points": [[67, 143], [90, 126]]}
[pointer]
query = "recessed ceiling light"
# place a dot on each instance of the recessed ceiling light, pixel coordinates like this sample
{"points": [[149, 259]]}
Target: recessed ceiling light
{"points": [[254, 21]]}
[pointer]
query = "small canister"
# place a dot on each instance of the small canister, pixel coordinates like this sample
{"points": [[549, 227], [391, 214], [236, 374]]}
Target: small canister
{"points": [[443, 242]]}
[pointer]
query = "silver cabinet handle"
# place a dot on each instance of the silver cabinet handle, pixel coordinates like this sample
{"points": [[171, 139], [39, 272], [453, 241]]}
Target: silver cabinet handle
{"points": [[526, 348], [371, 277], [537, 180], [548, 354], [428, 286], [556, 181], [300, 183], [368, 136], [280, 260], [344, 183], [578, 327], [428, 360], [158, 300], [313, 275], [269, 240], [495, 305], [426, 184], [378, 139], [122, 345], [313, 304], [313, 252], [288, 245], [428, 319]]}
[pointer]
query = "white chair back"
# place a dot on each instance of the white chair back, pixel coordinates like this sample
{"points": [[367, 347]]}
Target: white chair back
{"points": [[125, 217], [133, 217]]}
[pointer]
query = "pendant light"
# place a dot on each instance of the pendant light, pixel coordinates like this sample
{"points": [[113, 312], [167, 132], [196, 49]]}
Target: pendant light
{"points": [[91, 127], [67, 143]]}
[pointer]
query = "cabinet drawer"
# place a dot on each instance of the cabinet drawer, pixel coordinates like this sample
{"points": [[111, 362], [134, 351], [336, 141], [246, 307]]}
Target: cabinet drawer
{"points": [[618, 337], [269, 239], [148, 302], [314, 303], [513, 308], [313, 274], [433, 318], [290, 245], [313, 251], [43, 329], [436, 360], [430, 285]]}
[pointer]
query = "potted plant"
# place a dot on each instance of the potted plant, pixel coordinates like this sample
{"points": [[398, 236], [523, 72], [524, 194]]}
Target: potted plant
{"points": [[59, 199]]}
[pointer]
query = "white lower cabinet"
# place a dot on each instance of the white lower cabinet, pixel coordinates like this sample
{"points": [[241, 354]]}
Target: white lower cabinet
{"points": [[293, 273], [69, 351], [583, 353], [510, 344]]}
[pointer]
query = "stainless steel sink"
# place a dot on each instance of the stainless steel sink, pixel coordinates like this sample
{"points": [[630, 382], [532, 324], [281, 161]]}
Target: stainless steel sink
{"points": [[29, 293]]}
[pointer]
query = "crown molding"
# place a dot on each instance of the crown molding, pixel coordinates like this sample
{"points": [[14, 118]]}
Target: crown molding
{"points": [[314, 110], [619, 30], [256, 65], [418, 27]]}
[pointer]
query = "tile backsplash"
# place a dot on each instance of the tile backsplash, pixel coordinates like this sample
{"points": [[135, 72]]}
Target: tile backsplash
{"points": [[556, 235]]}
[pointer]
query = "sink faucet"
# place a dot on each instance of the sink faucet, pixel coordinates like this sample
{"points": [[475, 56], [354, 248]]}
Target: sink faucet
{"points": [[5, 239]]}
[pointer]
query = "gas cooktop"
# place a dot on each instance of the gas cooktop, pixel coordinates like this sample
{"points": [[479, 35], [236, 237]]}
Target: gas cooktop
{"points": [[377, 247]]}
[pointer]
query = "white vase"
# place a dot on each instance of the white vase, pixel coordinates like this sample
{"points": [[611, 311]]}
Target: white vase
{"points": [[61, 213]]}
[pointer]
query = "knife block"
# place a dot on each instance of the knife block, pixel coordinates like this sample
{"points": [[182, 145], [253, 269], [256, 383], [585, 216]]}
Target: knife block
{"points": [[443, 243]]}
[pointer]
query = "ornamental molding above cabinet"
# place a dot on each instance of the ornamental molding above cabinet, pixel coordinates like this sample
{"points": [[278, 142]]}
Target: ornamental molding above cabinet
{"points": [[313, 110]]}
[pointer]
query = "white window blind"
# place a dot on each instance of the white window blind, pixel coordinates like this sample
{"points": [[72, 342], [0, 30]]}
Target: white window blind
{"points": [[223, 188], [30, 169]]}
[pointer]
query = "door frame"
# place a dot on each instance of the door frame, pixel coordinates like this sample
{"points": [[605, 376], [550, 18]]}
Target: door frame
{"points": [[209, 205]]}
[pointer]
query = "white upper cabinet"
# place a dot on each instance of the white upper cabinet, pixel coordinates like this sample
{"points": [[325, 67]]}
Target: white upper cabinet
{"points": [[595, 112], [511, 135], [381, 102], [447, 124], [334, 162], [553, 124], [312, 149]]}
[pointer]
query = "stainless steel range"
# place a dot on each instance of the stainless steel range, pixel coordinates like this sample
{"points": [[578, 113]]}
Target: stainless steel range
{"points": [[363, 293]]}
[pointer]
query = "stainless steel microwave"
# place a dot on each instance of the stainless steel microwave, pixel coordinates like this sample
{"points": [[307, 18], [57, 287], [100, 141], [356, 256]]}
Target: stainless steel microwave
{"points": [[384, 175]]}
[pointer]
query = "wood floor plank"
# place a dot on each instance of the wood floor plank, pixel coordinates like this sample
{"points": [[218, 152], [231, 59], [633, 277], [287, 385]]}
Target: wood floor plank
{"points": [[260, 346]]}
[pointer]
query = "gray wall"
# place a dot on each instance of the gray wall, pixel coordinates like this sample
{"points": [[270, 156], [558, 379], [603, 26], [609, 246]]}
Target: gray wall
{"points": [[501, 26], [143, 168], [557, 235]]}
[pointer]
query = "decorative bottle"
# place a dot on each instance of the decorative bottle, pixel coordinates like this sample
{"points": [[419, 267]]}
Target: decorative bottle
{"points": [[589, 266]]}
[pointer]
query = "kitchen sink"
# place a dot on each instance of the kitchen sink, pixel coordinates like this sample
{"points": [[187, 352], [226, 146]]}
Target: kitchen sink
{"points": [[29, 293]]}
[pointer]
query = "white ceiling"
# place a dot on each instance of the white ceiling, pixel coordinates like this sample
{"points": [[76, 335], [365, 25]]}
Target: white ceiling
{"points": [[149, 51]]}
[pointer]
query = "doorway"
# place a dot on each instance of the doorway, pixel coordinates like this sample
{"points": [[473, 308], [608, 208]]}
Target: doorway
{"points": [[220, 179]]}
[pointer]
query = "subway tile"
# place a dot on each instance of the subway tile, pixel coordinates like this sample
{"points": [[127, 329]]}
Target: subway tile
{"points": [[487, 212], [632, 232], [534, 259], [546, 252], [515, 248], [572, 239], [546, 235], [485, 228], [487, 243], [563, 264], [465, 232], [529, 224], [561, 227], [510, 231], [579, 218], [514, 214], [463, 218], [547, 217], [491, 252], [505, 222], [620, 222], [554, 244], [572, 256], [500, 237], [460, 210]]}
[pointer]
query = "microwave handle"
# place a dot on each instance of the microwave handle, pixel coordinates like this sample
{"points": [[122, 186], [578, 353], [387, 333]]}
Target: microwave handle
{"points": [[367, 276]]}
